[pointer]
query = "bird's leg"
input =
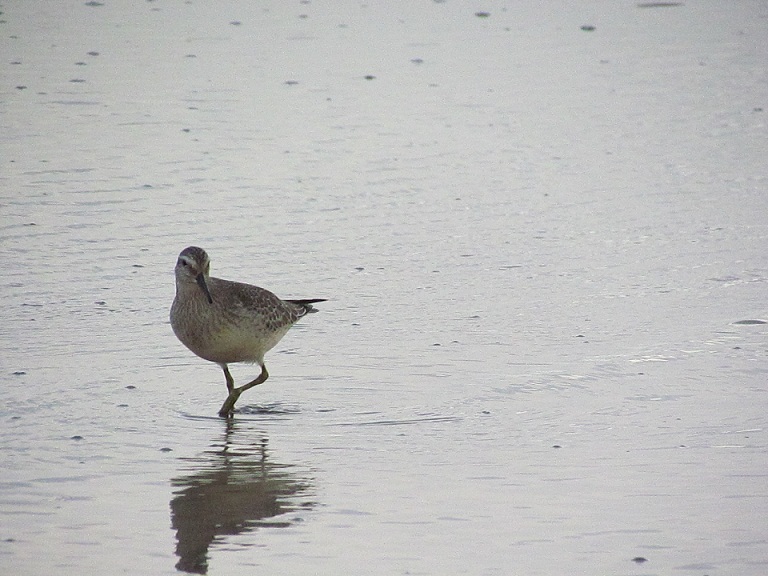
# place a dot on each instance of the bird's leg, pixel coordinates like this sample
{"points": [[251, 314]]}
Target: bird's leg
{"points": [[228, 376], [234, 393], [256, 381]]}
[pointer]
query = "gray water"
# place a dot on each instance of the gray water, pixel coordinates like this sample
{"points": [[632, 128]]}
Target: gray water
{"points": [[542, 234]]}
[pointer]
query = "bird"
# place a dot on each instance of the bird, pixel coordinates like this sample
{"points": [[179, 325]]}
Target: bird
{"points": [[224, 321]]}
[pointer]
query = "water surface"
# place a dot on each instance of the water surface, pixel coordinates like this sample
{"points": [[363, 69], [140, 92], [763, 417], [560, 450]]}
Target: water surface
{"points": [[541, 231]]}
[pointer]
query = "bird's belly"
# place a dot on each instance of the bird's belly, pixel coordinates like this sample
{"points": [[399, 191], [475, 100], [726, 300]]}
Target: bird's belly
{"points": [[226, 346]]}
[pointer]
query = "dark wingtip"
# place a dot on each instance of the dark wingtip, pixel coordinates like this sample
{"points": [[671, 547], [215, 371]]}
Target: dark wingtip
{"points": [[307, 304]]}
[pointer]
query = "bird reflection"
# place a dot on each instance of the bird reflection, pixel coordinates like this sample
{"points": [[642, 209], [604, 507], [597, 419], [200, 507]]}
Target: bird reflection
{"points": [[231, 489]]}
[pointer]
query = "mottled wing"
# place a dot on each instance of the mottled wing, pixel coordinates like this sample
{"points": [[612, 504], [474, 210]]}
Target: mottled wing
{"points": [[254, 303]]}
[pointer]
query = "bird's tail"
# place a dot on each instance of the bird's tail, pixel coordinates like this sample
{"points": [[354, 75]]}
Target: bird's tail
{"points": [[306, 305]]}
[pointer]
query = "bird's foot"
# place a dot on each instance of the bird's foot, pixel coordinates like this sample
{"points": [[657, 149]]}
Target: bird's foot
{"points": [[229, 404]]}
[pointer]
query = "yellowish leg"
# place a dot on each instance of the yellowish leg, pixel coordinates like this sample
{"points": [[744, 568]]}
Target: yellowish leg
{"points": [[234, 393], [228, 376]]}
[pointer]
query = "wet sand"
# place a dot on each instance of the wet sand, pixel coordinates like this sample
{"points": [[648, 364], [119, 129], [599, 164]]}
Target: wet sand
{"points": [[542, 233]]}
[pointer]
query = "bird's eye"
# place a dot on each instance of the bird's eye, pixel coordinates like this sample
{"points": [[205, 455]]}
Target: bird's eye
{"points": [[182, 262]]}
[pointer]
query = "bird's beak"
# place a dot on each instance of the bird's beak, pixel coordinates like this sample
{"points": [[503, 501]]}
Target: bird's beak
{"points": [[204, 286]]}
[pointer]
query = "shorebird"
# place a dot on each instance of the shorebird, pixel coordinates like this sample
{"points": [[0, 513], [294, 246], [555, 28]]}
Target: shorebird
{"points": [[224, 322]]}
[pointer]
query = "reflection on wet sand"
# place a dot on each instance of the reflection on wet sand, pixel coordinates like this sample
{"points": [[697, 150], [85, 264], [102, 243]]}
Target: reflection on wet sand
{"points": [[231, 489]]}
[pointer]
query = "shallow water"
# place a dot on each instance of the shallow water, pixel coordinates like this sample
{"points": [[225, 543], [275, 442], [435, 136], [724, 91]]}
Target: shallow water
{"points": [[544, 249]]}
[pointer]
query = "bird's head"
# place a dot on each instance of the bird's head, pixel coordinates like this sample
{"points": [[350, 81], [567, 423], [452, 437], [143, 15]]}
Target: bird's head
{"points": [[193, 266]]}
